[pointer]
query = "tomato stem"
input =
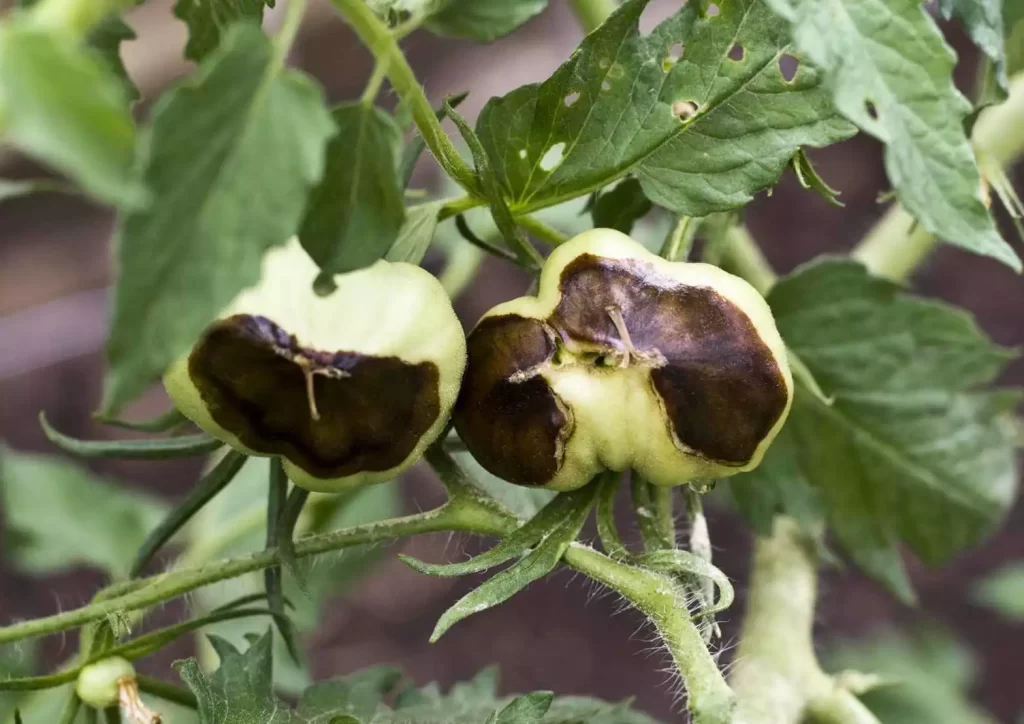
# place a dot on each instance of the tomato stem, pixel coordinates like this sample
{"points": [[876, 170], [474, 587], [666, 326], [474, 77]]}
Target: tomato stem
{"points": [[382, 43]]}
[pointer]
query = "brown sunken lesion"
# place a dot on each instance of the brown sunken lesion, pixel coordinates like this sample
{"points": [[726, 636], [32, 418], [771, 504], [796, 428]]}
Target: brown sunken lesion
{"points": [[721, 386], [506, 414], [252, 376]]}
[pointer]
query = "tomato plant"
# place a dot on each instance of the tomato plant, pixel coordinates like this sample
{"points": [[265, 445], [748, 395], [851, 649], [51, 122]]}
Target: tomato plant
{"points": [[272, 272]]}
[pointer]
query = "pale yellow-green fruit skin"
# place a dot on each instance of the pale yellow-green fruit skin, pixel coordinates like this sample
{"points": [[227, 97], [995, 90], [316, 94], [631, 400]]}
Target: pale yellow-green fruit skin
{"points": [[98, 683], [619, 423], [386, 309]]}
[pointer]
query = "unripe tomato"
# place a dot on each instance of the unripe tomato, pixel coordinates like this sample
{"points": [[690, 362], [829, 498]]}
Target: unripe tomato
{"points": [[99, 683], [624, 360], [348, 388]]}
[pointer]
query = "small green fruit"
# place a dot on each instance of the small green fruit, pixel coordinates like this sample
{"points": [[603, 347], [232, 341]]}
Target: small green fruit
{"points": [[99, 684], [624, 360], [348, 388]]}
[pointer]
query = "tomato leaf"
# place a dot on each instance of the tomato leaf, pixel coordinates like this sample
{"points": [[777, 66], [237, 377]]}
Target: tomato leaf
{"points": [[106, 38], [483, 20], [891, 73], [63, 105], [540, 561], [231, 154], [16, 660], [416, 233], [983, 20], [58, 516], [242, 686], [355, 213], [620, 207], [1003, 591], [525, 709], [912, 450], [700, 130], [926, 676], [208, 21]]}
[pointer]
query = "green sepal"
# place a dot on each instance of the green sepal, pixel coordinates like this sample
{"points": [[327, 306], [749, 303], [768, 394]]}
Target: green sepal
{"points": [[680, 561], [541, 560], [503, 219], [277, 504], [161, 449], [545, 523], [808, 177], [162, 423]]}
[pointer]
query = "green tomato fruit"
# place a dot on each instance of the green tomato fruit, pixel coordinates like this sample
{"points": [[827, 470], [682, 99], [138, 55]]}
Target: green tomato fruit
{"points": [[99, 684], [624, 360], [348, 388]]}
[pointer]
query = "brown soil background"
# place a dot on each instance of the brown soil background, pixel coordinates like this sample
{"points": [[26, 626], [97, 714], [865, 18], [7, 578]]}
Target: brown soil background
{"points": [[54, 251]]}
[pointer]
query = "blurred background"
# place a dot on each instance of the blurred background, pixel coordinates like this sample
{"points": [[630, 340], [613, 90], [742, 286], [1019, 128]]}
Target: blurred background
{"points": [[54, 273]]}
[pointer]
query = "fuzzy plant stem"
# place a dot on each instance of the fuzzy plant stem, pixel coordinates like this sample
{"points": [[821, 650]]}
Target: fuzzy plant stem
{"points": [[777, 678], [775, 664], [470, 510]]}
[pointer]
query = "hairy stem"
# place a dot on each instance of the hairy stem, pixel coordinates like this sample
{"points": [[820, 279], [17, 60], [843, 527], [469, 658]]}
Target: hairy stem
{"points": [[895, 247], [743, 257], [381, 42], [380, 72], [679, 242], [454, 207], [468, 509], [591, 13], [157, 589], [777, 677], [656, 596], [700, 545], [664, 513], [293, 15], [539, 230], [775, 663]]}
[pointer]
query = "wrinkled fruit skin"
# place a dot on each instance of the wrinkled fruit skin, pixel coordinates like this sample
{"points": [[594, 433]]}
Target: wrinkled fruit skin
{"points": [[624, 360], [383, 353], [98, 683]]}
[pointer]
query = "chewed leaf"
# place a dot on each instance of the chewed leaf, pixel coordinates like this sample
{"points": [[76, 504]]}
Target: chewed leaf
{"points": [[698, 141], [891, 73]]}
